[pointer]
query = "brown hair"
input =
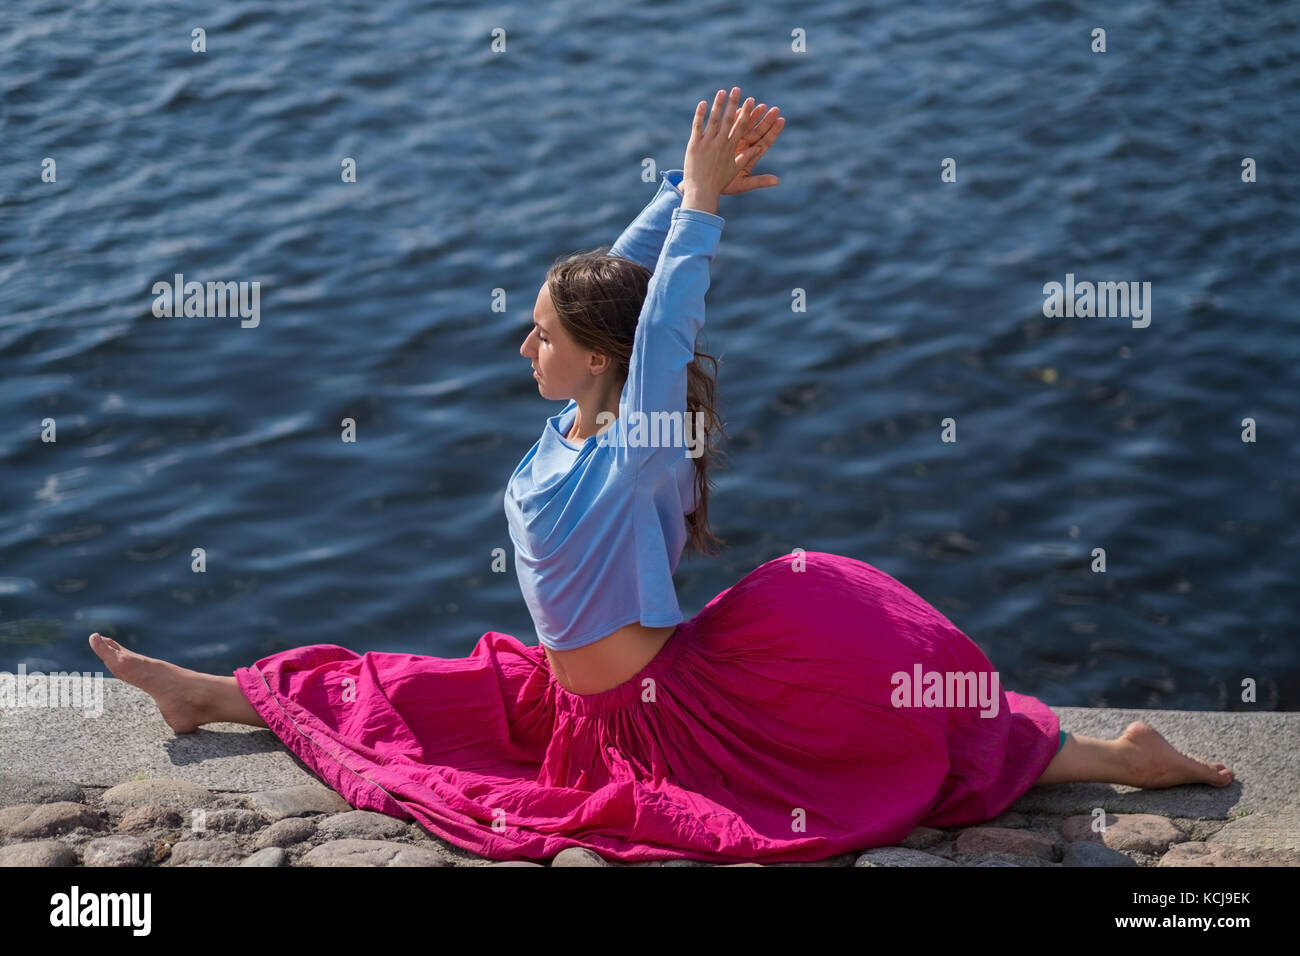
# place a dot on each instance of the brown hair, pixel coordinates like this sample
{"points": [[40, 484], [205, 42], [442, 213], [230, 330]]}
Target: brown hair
{"points": [[598, 298]]}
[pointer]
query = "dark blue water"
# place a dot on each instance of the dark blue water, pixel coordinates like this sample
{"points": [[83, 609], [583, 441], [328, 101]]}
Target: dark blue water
{"points": [[476, 169]]}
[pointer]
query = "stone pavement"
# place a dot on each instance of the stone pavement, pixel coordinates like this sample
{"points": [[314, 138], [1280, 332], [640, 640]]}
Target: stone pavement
{"points": [[123, 790]]}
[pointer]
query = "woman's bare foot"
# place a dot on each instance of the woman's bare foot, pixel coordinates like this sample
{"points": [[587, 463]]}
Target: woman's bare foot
{"points": [[1155, 763], [1138, 757], [179, 693]]}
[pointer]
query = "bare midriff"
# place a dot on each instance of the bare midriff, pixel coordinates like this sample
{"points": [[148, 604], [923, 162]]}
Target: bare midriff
{"points": [[614, 659]]}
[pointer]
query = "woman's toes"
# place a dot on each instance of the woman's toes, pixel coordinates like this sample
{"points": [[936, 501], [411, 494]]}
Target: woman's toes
{"points": [[1222, 776], [99, 643], [110, 652], [1202, 771]]}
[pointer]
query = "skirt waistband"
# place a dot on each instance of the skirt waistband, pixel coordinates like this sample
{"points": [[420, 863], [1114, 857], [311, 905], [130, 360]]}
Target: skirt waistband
{"points": [[629, 692]]}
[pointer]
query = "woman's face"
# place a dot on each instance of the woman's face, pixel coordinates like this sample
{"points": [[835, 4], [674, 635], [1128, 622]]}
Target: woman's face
{"points": [[562, 368]]}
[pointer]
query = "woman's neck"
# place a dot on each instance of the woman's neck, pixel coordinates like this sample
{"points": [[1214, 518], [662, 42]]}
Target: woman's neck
{"points": [[596, 405]]}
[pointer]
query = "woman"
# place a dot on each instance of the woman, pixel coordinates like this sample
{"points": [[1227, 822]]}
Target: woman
{"points": [[778, 724]]}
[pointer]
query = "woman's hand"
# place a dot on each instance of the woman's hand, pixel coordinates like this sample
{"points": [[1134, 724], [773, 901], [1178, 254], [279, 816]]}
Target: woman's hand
{"points": [[762, 135], [712, 160]]}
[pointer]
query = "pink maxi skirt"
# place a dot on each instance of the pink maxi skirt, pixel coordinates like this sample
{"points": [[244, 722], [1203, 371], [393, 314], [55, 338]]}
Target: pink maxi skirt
{"points": [[769, 728]]}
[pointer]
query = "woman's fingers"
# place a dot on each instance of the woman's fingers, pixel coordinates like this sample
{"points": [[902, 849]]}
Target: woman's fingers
{"points": [[715, 114], [727, 113], [760, 139], [742, 120], [739, 116], [756, 117], [724, 113], [763, 131], [760, 182], [757, 182], [770, 132]]}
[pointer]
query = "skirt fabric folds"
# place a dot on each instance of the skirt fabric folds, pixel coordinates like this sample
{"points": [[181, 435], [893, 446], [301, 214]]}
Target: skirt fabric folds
{"points": [[766, 730]]}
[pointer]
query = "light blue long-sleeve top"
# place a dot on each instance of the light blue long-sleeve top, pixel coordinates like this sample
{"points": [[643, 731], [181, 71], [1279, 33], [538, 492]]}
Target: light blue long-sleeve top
{"points": [[598, 526]]}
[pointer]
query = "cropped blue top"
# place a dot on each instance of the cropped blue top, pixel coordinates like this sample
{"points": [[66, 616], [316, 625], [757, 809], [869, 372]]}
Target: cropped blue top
{"points": [[598, 526]]}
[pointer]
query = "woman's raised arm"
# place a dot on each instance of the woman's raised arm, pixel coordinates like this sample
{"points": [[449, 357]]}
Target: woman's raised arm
{"points": [[643, 239], [652, 426]]}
